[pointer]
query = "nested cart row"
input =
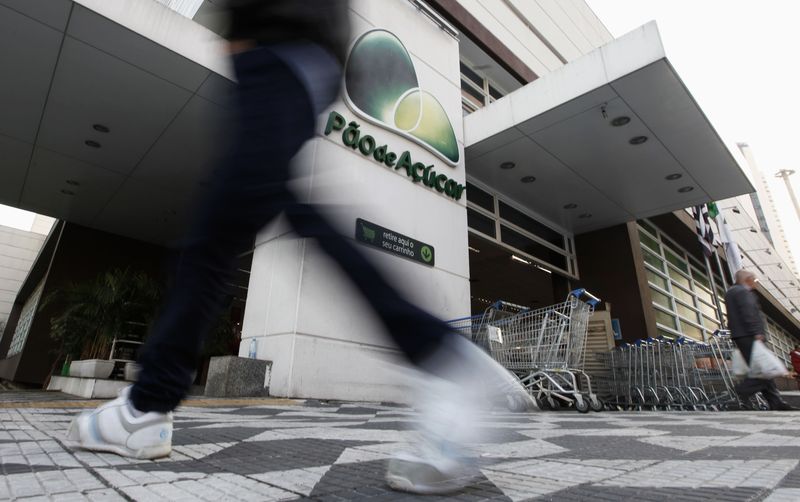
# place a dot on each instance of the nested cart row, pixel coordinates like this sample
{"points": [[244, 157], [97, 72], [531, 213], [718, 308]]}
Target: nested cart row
{"points": [[680, 374]]}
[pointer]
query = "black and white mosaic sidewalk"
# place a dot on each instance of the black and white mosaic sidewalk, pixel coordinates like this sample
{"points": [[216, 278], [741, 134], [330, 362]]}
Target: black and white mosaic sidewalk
{"points": [[284, 451]]}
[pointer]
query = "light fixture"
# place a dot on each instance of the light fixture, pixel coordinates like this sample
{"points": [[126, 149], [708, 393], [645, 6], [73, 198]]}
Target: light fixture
{"points": [[673, 176], [73, 183], [92, 143], [528, 179], [620, 121], [101, 128], [685, 189], [637, 140], [544, 269], [585, 216], [67, 192], [473, 249], [736, 210], [521, 260], [507, 165], [571, 205]]}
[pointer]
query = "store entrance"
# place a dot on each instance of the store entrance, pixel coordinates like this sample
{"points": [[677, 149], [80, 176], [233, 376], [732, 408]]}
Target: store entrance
{"points": [[496, 273]]}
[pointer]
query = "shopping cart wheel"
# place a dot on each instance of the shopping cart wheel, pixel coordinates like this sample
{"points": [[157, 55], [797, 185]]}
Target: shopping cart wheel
{"points": [[596, 404], [553, 404], [582, 405]]}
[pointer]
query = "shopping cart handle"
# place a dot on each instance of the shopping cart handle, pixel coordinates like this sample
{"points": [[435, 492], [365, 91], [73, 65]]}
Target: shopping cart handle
{"points": [[592, 300]]}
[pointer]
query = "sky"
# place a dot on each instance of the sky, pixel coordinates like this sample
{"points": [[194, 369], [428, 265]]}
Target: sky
{"points": [[739, 60]]}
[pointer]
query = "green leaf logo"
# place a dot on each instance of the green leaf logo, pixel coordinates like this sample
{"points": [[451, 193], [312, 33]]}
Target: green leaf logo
{"points": [[426, 253], [381, 85]]}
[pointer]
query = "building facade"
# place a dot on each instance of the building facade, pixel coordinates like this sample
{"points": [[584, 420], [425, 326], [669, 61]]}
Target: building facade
{"points": [[516, 151]]}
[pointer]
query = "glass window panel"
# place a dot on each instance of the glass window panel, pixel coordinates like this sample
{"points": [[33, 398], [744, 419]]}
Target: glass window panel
{"points": [[533, 248], [701, 278], [649, 242], [677, 251], [471, 75], [710, 324], [650, 228], [687, 312], [479, 197], [684, 295], [653, 260], [661, 299], [494, 93], [656, 279], [704, 294], [679, 262], [666, 319], [481, 223], [472, 94], [679, 278], [708, 309], [691, 331], [525, 222]]}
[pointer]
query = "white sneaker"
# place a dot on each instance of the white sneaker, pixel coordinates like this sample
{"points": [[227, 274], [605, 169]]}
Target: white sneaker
{"points": [[463, 381], [113, 428], [430, 474]]}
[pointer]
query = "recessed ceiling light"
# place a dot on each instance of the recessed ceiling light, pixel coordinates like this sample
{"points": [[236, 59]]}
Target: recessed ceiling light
{"points": [[101, 128], [570, 206], [528, 179], [507, 165], [685, 189], [637, 140], [73, 183], [67, 192], [585, 215], [620, 121], [92, 143], [673, 176]]}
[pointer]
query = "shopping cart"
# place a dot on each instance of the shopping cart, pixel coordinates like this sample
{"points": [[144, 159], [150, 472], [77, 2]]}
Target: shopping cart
{"points": [[546, 349], [681, 374]]}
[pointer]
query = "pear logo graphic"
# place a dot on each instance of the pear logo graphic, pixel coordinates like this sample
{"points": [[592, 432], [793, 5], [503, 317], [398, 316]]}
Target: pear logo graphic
{"points": [[381, 85]]}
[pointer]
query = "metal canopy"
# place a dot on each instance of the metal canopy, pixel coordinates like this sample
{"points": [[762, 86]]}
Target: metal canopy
{"points": [[154, 78], [559, 130]]}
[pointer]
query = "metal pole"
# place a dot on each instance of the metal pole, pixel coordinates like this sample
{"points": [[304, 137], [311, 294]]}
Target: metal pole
{"points": [[721, 272], [785, 173], [714, 290]]}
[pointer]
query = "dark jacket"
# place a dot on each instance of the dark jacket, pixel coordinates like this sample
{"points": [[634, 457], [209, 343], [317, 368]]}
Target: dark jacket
{"points": [[323, 22], [744, 314]]}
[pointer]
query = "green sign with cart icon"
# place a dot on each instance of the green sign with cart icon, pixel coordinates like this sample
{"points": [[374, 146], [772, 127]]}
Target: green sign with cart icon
{"points": [[392, 242]]}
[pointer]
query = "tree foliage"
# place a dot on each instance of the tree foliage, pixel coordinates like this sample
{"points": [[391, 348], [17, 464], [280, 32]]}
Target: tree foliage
{"points": [[92, 313]]}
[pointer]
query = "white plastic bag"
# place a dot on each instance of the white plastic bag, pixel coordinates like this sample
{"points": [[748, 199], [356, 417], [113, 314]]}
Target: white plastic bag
{"points": [[764, 364], [739, 366]]}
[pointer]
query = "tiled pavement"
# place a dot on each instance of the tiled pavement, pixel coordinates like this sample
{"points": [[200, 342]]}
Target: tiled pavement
{"points": [[283, 450]]}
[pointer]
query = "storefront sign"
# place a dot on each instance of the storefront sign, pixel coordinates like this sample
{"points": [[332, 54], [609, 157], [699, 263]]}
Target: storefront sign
{"points": [[416, 171], [393, 242]]}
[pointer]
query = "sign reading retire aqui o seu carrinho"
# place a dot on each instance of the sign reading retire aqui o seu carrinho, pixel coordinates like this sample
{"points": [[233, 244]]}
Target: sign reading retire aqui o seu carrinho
{"points": [[393, 242]]}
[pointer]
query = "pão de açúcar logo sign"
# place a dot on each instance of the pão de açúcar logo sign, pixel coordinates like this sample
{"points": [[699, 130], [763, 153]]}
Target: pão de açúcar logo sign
{"points": [[359, 141], [381, 85]]}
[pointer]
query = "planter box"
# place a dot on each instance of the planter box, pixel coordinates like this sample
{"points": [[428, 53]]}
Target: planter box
{"points": [[91, 368], [231, 376]]}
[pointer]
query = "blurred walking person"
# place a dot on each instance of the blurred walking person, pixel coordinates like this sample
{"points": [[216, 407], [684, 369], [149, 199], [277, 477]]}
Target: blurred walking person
{"points": [[288, 57], [747, 326]]}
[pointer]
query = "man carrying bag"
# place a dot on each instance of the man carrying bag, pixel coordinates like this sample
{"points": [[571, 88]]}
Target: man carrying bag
{"points": [[747, 330]]}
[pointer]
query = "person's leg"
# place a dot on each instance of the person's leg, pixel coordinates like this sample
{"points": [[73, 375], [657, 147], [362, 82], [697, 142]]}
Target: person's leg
{"points": [[274, 119], [749, 386]]}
